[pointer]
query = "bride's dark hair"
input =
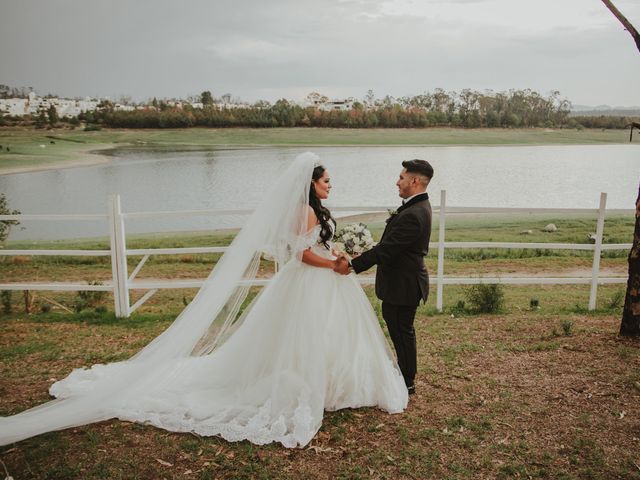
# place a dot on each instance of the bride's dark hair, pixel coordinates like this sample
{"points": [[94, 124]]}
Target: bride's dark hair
{"points": [[323, 213]]}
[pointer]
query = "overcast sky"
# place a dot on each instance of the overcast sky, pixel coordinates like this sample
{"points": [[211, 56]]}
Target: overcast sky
{"points": [[269, 49]]}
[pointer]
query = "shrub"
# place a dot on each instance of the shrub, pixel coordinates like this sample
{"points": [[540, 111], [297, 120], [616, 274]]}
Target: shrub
{"points": [[485, 298], [91, 298], [567, 328], [459, 308], [5, 296], [616, 301], [80, 305], [5, 225]]}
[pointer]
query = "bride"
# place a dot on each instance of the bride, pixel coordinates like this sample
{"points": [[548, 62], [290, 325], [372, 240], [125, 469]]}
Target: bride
{"points": [[308, 342]]}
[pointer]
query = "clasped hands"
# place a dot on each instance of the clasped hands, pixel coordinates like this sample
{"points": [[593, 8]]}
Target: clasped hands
{"points": [[341, 264]]}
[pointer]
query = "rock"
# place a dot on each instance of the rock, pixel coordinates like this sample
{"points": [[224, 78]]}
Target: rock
{"points": [[526, 232], [550, 228]]}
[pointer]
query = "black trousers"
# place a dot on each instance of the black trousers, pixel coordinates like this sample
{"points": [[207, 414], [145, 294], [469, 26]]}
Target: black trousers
{"points": [[399, 319]]}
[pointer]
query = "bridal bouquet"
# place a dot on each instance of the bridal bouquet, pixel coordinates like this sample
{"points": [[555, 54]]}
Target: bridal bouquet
{"points": [[353, 239]]}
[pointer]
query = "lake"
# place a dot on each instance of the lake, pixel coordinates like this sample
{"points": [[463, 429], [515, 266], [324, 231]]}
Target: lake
{"points": [[569, 176]]}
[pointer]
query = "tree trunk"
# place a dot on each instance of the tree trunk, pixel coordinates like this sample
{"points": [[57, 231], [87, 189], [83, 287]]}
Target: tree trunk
{"points": [[630, 325], [625, 23], [28, 301]]}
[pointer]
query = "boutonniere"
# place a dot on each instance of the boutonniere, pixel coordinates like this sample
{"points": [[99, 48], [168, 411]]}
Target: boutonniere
{"points": [[392, 213]]}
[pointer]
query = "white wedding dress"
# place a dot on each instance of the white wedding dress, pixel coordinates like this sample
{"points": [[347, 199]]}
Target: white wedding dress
{"points": [[309, 341]]}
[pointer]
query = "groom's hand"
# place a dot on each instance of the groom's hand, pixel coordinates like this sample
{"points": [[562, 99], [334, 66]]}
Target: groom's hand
{"points": [[341, 266]]}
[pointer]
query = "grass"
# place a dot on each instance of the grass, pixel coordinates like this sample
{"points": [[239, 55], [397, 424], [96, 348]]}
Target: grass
{"points": [[493, 401], [504, 228], [526, 393], [458, 262], [29, 149]]}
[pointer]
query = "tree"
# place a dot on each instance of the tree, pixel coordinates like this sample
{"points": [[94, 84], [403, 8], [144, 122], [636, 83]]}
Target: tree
{"points": [[52, 113], [41, 119], [630, 324], [105, 106], [370, 98], [124, 99], [5, 225], [625, 23], [206, 98]]}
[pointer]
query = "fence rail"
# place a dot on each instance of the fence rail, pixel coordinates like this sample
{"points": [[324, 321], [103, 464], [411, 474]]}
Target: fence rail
{"points": [[122, 282]]}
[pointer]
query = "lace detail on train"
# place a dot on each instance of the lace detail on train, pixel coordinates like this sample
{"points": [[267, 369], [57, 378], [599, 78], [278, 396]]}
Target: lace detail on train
{"points": [[260, 428]]}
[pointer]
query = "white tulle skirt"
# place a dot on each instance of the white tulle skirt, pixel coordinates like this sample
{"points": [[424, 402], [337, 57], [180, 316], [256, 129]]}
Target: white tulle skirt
{"points": [[310, 342]]}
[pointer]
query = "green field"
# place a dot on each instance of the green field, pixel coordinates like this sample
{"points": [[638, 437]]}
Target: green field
{"points": [[458, 262], [32, 149]]}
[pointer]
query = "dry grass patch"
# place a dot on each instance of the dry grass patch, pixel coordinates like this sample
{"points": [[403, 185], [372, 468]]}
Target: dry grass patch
{"points": [[507, 396]]}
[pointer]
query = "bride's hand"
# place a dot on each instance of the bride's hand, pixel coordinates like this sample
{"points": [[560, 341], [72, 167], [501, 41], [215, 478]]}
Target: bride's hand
{"points": [[341, 266]]}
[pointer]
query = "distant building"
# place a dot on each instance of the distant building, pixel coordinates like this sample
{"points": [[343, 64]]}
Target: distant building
{"points": [[118, 107], [14, 106], [33, 104], [322, 102], [72, 108], [342, 105]]}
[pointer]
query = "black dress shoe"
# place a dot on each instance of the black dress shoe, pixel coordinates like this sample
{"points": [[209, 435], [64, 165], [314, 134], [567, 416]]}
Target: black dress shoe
{"points": [[411, 389]]}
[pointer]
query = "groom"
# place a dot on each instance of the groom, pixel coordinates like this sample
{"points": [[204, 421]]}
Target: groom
{"points": [[401, 278]]}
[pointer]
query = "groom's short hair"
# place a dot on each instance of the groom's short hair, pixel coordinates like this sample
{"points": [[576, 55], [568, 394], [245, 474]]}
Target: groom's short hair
{"points": [[419, 167]]}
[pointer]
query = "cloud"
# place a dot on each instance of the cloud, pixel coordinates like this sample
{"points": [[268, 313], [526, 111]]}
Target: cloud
{"points": [[246, 49], [286, 48]]}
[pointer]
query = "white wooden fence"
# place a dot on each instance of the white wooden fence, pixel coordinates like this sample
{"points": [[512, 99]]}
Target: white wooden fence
{"points": [[122, 282]]}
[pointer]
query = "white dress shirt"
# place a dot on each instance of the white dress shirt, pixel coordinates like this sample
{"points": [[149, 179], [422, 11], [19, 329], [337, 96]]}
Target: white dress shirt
{"points": [[407, 199]]}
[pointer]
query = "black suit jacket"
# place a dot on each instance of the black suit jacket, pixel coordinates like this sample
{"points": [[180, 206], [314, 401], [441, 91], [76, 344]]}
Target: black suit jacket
{"points": [[401, 277]]}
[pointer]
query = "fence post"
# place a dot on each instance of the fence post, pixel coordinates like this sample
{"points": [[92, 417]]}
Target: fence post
{"points": [[118, 258], [440, 277], [595, 272]]}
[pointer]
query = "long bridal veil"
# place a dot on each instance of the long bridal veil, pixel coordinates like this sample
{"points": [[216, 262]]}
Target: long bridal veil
{"points": [[275, 228]]}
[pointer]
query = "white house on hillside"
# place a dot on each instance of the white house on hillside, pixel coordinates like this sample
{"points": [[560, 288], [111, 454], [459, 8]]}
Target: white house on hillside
{"points": [[64, 106], [14, 106], [322, 102], [345, 105]]}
